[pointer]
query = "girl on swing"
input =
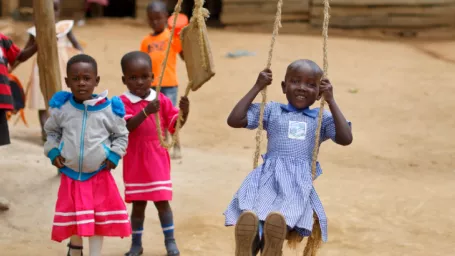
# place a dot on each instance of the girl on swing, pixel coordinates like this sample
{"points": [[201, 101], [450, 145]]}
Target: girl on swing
{"points": [[278, 196]]}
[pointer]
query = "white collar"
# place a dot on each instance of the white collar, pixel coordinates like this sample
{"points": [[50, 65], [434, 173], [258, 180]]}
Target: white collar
{"points": [[135, 99], [100, 97]]}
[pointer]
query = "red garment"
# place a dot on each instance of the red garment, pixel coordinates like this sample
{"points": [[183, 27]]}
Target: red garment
{"points": [[90, 208], [8, 54], [147, 165]]}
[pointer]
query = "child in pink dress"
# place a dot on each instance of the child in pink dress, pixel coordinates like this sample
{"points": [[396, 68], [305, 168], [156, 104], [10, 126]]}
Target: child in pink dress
{"points": [[146, 165], [86, 137]]}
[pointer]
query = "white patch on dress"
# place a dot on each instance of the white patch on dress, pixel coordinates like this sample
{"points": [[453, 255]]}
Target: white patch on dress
{"points": [[297, 130]]}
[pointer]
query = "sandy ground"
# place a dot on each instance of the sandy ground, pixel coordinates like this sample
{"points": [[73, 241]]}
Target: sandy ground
{"points": [[389, 193]]}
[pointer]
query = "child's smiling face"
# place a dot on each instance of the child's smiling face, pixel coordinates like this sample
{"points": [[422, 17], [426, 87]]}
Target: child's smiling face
{"points": [[301, 84], [82, 79], [138, 77]]}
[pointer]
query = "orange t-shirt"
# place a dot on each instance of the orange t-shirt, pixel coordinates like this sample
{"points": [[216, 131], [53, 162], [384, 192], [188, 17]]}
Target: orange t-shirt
{"points": [[155, 46]]}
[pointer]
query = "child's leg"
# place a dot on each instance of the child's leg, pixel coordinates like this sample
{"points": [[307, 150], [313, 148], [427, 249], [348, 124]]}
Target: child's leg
{"points": [[275, 231], [167, 223], [137, 224], [95, 245], [260, 246], [42, 114], [75, 246]]}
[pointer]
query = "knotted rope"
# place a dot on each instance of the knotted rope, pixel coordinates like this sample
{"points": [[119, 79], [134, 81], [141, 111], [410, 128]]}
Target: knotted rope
{"points": [[199, 15]]}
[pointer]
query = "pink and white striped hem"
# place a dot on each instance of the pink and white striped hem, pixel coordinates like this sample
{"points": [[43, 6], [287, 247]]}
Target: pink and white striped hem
{"points": [[152, 191], [88, 208]]}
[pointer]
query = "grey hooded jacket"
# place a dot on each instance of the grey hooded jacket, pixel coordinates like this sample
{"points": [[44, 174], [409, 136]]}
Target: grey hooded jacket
{"points": [[85, 135]]}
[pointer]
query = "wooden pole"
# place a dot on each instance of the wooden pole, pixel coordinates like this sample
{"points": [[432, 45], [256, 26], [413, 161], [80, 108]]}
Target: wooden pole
{"points": [[46, 38]]}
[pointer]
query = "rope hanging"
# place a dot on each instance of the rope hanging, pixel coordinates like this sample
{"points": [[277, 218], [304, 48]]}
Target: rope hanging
{"points": [[315, 239], [325, 34], [276, 27], [199, 14]]}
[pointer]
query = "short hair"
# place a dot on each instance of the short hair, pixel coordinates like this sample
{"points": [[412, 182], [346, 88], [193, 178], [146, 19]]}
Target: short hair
{"points": [[82, 58], [305, 62], [134, 55], [158, 6]]}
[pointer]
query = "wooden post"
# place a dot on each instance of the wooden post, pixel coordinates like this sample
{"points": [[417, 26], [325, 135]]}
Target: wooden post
{"points": [[46, 38]]}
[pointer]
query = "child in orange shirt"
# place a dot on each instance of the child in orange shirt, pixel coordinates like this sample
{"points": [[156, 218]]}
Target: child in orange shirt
{"points": [[155, 45]]}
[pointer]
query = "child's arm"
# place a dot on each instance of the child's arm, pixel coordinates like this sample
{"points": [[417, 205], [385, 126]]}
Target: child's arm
{"points": [[30, 42], [54, 135], [177, 46], [171, 113], [74, 41], [238, 117], [27, 53], [119, 134], [16, 56], [137, 120], [343, 132], [184, 105]]}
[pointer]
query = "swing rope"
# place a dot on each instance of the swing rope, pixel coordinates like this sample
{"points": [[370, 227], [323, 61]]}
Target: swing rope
{"points": [[276, 27], [315, 239], [199, 14], [325, 34]]}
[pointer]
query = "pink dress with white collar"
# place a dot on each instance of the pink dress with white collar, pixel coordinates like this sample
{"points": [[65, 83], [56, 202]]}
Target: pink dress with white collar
{"points": [[146, 165]]}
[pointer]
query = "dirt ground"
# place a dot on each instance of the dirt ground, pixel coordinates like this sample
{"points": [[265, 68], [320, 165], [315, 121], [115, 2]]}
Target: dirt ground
{"points": [[390, 193]]}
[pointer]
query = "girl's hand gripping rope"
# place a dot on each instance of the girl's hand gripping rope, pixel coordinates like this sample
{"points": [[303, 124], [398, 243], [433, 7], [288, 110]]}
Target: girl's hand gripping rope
{"points": [[152, 107], [264, 79], [184, 105], [326, 90]]}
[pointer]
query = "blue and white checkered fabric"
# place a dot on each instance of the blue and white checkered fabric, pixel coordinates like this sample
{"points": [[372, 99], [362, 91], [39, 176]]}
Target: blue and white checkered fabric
{"points": [[283, 183]]}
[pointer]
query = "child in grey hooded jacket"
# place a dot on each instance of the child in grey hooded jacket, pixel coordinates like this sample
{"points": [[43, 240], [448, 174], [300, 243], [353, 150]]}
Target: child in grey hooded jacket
{"points": [[86, 137]]}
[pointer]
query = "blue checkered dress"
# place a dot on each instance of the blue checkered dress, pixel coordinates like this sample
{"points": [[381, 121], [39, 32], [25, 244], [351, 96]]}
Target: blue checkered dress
{"points": [[283, 183]]}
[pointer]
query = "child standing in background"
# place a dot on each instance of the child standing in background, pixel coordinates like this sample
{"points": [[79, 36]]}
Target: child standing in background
{"points": [[67, 45], [86, 137], [155, 45], [12, 55], [146, 166]]}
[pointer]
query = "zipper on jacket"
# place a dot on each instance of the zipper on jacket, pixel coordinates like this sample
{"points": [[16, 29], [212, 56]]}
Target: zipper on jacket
{"points": [[81, 152]]}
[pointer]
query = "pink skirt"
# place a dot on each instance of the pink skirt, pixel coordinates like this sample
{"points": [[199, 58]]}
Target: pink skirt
{"points": [[146, 171], [89, 208]]}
